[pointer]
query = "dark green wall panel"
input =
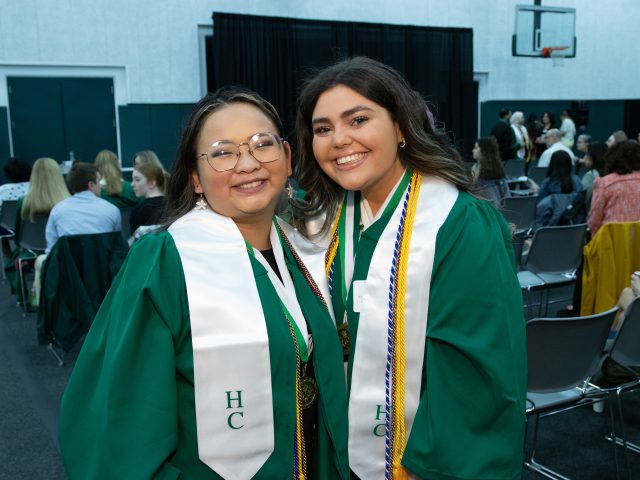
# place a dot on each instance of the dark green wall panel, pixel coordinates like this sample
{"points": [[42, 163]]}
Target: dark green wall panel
{"points": [[4, 141], [605, 116], [151, 127]]}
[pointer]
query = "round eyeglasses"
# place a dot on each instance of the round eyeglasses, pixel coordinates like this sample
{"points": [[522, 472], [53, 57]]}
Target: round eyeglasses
{"points": [[223, 155]]}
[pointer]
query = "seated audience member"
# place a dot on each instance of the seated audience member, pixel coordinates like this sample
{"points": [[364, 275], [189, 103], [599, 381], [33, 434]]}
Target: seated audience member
{"points": [[84, 212], [553, 141], [611, 373], [148, 182], [594, 162], [488, 171], [559, 179], [114, 188], [146, 156], [149, 156], [568, 129], [47, 189], [582, 145], [615, 194], [616, 137], [17, 172]]}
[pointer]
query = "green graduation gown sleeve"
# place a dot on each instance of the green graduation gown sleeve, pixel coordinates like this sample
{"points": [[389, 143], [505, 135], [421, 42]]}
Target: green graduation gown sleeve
{"points": [[471, 417], [129, 410]]}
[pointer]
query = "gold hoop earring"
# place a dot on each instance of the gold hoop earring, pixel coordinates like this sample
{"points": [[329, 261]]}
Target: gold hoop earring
{"points": [[402, 143]]}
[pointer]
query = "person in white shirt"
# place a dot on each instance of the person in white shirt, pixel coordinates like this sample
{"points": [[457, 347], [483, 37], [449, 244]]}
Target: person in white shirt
{"points": [[84, 212], [553, 140], [567, 129], [521, 135]]}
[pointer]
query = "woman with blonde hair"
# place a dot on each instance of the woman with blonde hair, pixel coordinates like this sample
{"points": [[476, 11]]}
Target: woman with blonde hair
{"points": [[114, 188], [47, 188]]}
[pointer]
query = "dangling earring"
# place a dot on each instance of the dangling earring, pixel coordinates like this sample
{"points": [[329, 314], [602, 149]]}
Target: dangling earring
{"points": [[201, 204], [402, 143], [291, 193]]}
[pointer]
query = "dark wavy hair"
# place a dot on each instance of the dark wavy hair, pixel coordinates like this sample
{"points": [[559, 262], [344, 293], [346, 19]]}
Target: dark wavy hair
{"points": [[181, 197], [597, 152], [426, 150], [622, 158], [491, 167]]}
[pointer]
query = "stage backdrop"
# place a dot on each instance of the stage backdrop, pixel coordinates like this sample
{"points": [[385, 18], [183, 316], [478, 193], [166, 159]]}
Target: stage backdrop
{"points": [[273, 55]]}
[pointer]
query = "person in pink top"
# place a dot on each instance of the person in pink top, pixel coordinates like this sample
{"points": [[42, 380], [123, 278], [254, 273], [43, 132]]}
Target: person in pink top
{"points": [[616, 196]]}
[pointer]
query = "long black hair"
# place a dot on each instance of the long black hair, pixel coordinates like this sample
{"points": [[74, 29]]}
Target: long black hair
{"points": [[560, 170]]}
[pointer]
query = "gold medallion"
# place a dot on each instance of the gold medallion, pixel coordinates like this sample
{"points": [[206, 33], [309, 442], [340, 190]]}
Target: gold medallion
{"points": [[308, 392], [343, 335]]}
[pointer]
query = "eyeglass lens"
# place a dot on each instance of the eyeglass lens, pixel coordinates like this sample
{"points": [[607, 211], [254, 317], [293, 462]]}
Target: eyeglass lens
{"points": [[264, 147]]}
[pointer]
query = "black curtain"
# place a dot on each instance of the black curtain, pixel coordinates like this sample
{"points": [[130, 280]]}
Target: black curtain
{"points": [[273, 55]]}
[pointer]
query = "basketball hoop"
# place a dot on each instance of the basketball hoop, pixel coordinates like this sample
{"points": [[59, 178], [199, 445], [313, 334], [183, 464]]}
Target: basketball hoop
{"points": [[557, 53]]}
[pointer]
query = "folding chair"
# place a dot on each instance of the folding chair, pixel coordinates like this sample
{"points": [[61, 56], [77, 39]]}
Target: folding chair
{"points": [[514, 168], [8, 213], [125, 215], [552, 261], [625, 352], [75, 278], [537, 174], [520, 210], [562, 355], [33, 241]]}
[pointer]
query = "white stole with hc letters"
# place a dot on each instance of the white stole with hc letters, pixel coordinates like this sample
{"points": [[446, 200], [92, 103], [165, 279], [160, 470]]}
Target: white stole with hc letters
{"points": [[367, 395], [231, 367]]}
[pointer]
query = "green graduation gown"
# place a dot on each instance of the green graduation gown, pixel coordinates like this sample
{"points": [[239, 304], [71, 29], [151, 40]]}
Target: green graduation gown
{"points": [[129, 411], [471, 414]]}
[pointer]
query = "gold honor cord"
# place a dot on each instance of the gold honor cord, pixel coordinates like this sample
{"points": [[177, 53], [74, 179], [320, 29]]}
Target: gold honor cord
{"points": [[330, 256], [300, 465], [398, 355]]}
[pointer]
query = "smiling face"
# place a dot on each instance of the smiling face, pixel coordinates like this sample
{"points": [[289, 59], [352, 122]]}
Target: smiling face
{"points": [[355, 142], [139, 184], [250, 191]]}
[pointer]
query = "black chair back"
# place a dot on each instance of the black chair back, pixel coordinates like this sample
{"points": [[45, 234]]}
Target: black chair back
{"points": [[626, 347], [8, 213], [32, 234], [520, 210], [563, 353]]}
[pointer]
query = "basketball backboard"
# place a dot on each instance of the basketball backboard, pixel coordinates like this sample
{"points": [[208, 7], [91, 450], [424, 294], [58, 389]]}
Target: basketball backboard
{"points": [[542, 31]]}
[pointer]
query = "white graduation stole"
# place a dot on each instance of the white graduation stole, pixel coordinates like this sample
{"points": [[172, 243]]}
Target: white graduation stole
{"points": [[367, 396], [232, 373]]}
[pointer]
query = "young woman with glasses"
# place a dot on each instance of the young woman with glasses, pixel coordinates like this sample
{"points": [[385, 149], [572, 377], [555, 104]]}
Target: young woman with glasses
{"points": [[422, 282], [213, 355]]}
